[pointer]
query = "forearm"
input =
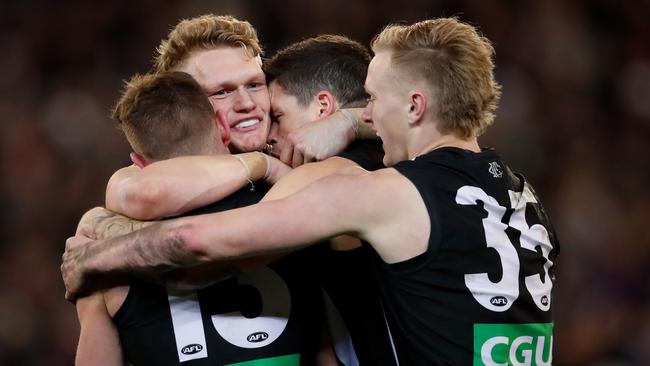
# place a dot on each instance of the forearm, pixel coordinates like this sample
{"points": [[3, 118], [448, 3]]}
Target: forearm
{"points": [[364, 131], [305, 175], [150, 252], [100, 224], [361, 129], [308, 216], [98, 339], [174, 186]]}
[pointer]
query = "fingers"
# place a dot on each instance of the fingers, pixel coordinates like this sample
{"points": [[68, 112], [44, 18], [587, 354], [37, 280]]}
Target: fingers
{"points": [[65, 274], [73, 278], [308, 158], [298, 158], [286, 156], [76, 241], [69, 296]]}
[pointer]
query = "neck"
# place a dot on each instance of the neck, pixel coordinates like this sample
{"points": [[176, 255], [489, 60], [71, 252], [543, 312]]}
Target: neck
{"points": [[443, 141]]}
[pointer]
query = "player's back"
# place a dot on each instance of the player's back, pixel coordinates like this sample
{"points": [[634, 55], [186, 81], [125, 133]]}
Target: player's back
{"points": [[271, 314]]}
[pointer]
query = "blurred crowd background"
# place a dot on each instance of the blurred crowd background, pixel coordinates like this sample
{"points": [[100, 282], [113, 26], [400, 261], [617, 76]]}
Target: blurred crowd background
{"points": [[574, 118]]}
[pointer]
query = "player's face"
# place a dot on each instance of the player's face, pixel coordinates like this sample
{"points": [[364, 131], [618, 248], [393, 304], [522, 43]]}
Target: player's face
{"points": [[288, 115], [387, 108], [236, 87]]}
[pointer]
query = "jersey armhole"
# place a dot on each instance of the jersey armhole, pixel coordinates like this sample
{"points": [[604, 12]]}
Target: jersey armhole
{"points": [[121, 312], [420, 261]]}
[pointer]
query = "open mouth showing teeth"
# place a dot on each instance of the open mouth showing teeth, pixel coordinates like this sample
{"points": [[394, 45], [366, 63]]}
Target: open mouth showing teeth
{"points": [[247, 123]]}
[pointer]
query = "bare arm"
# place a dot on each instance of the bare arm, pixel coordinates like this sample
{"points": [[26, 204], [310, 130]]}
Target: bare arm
{"points": [[353, 203], [174, 186], [100, 223], [319, 140], [99, 343], [305, 175]]}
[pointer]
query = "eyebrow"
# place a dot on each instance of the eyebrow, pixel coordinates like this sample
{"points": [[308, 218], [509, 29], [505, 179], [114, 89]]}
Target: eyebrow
{"points": [[228, 83]]}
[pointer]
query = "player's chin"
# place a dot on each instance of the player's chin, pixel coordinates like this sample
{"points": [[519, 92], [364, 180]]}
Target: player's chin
{"points": [[252, 141]]}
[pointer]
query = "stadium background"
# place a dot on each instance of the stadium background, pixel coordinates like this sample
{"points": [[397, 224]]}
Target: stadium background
{"points": [[574, 118]]}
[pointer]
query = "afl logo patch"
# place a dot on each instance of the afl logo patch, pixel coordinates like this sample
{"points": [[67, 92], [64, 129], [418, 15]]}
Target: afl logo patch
{"points": [[544, 300], [257, 337], [191, 349], [499, 301]]}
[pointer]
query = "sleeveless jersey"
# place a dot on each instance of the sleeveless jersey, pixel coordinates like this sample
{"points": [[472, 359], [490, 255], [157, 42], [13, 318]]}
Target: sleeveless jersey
{"points": [[368, 154], [265, 317], [481, 293]]}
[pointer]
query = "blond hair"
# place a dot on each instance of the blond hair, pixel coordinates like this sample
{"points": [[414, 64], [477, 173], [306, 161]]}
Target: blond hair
{"points": [[204, 33], [165, 115], [456, 61]]}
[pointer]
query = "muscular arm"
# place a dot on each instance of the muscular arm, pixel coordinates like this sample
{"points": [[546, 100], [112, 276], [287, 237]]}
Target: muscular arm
{"points": [[304, 175], [100, 223], [99, 342], [382, 207], [319, 140], [173, 186]]}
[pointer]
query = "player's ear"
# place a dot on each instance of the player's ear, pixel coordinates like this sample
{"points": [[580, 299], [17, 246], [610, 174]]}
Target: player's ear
{"points": [[138, 160], [224, 128], [416, 107], [326, 103]]}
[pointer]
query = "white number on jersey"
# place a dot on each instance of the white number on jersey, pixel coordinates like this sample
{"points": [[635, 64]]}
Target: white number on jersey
{"points": [[499, 296], [232, 327]]}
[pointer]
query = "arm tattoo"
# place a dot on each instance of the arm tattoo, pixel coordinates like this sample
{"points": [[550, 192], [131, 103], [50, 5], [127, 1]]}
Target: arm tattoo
{"points": [[151, 251], [110, 224]]}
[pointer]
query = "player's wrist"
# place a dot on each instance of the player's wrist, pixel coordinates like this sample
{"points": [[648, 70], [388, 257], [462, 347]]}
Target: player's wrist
{"points": [[351, 118], [255, 165]]}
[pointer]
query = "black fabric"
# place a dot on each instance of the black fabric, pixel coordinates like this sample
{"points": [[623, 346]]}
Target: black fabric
{"points": [[368, 154], [348, 279], [145, 323], [432, 315]]}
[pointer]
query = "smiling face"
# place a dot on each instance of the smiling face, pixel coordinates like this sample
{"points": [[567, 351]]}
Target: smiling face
{"points": [[387, 108], [236, 86]]}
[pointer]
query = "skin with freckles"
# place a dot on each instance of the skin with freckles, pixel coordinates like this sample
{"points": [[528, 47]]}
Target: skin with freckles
{"points": [[238, 91]]}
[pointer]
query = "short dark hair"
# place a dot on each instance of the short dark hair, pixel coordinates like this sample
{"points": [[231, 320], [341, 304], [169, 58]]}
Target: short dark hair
{"points": [[327, 62], [165, 115]]}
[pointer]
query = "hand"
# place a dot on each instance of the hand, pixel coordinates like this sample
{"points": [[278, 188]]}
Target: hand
{"points": [[320, 140], [277, 170], [89, 221], [74, 278]]}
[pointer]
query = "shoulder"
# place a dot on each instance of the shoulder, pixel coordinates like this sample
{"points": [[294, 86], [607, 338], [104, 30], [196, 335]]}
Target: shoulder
{"points": [[390, 211], [378, 195]]}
